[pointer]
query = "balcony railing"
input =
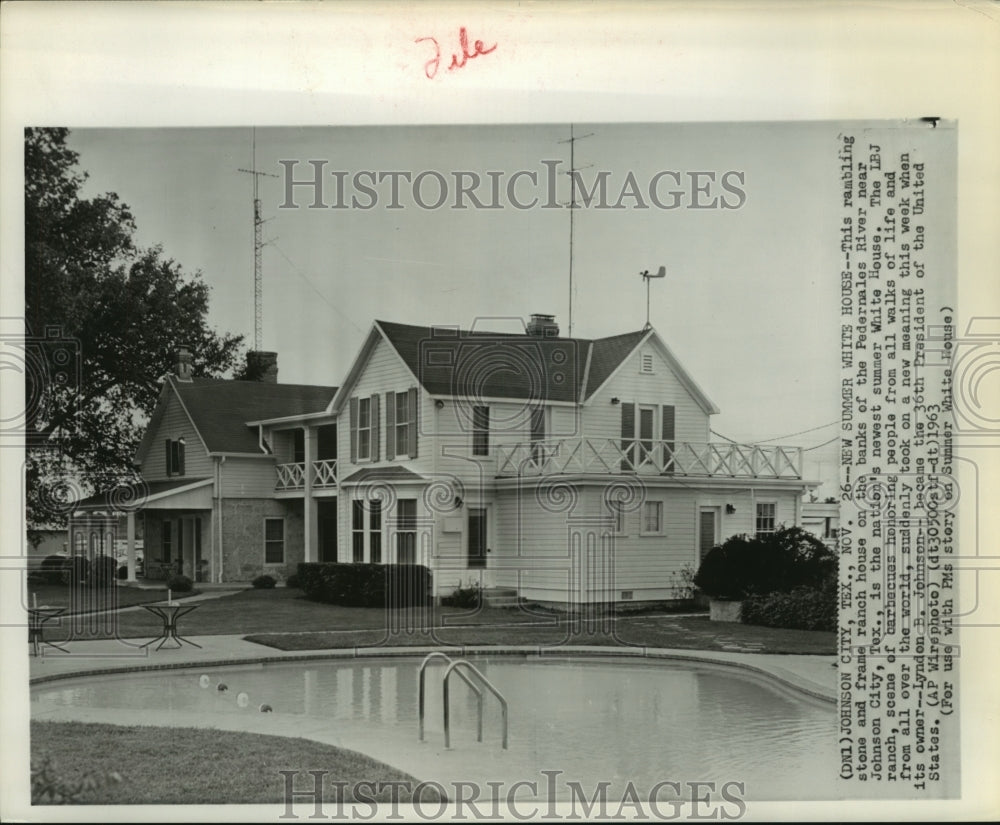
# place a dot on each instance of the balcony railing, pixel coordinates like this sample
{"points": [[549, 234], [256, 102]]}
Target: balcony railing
{"points": [[293, 476], [615, 456]]}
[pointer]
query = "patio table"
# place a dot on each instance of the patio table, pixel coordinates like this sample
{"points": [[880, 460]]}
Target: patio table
{"points": [[37, 617], [169, 613]]}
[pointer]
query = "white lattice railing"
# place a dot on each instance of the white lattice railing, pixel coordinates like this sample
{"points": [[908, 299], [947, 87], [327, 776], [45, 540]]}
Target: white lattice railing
{"points": [[325, 473], [615, 456], [293, 476]]}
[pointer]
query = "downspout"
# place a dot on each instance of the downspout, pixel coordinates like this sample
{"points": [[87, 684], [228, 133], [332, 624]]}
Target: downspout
{"points": [[219, 499]]}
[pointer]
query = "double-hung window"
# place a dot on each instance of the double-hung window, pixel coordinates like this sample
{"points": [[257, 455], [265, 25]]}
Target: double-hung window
{"points": [[766, 514], [274, 541], [364, 429]]}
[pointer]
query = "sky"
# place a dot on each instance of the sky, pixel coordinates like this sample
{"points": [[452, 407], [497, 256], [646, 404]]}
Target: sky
{"points": [[748, 303]]}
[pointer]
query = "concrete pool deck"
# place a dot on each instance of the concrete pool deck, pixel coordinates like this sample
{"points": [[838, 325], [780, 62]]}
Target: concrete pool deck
{"points": [[812, 675]]}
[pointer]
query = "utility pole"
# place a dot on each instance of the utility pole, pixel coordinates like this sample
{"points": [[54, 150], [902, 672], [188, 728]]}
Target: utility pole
{"points": [[258, 246], [572, 209]]}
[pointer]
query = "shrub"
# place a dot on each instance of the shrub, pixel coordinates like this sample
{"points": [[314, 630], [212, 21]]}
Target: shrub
{"points": [[180, 584], [264, 582], [52, 569], [77, 571], [365, 585], [804, 608], [49, 788], [293, 581], [123, 572], [102, 571], [463, 597], [777, 562]]}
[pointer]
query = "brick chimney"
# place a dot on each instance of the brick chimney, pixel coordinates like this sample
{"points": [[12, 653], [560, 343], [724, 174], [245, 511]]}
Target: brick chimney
{"points": [[263, 365], [184, 367], [543, 326]]}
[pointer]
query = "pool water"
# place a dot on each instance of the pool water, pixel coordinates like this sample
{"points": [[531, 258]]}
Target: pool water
{"points": [[594, 720]]}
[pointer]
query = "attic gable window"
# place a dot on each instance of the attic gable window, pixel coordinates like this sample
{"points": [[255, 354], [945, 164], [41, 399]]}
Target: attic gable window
{"points": [[175, 457], [646, 363]]}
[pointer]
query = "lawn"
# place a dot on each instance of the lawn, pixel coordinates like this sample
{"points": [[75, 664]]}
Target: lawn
{"points": [[181, 766], [278, 610], [684, 632], [87, 599]]}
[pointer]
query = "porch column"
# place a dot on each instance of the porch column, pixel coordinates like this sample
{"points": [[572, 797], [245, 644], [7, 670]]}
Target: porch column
{"points": [[130, 544], [310, 527]]}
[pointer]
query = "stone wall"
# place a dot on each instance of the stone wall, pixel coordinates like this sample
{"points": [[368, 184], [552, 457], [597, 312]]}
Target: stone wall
{"points": [[243, 538]]}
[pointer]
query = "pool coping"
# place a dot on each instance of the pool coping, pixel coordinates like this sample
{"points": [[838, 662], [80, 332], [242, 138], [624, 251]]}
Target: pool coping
{"points": [[785, 677]]}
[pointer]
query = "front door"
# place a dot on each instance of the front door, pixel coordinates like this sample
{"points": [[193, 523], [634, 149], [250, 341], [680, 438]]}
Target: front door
{"points": [[477, 537], [708, 530]]}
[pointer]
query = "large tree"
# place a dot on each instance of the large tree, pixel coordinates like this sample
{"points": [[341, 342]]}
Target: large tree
{"points": [[103, 322]]}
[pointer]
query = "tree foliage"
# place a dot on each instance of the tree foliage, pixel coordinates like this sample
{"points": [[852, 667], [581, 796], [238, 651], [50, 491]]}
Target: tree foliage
{"points": [[103, 320]]}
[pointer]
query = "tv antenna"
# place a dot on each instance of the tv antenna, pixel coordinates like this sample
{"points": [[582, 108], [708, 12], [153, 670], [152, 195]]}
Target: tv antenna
{"points": [[647, 276], [258, 245], [572, 208]]}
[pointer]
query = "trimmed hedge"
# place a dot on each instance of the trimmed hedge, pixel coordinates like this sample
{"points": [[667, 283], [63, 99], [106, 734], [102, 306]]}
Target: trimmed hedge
{"points": [[365, 585], [804, 608], [264, 582]]}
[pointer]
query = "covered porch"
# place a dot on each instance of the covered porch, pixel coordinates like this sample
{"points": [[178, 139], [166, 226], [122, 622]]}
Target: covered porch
{"points": [[177, 527]]}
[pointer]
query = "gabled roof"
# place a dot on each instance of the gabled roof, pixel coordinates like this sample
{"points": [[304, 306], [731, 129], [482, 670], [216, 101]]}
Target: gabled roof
{"points": [[390, 473], [451, 361], [219, 409]]}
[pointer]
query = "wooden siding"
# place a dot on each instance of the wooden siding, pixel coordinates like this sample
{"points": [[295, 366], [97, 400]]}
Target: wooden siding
{"points": [[602, 419], [174, 425], [248, 477]]}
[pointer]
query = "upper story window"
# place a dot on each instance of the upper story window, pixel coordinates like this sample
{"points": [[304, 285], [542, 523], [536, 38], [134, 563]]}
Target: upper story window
{"points": [[298, 446], [617, 509], [766, 514], [480, 430], [364, 429], [402, 424], [175, 457]]}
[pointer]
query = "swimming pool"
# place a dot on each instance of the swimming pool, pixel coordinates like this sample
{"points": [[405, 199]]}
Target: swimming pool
{"points": [[592, 719]]}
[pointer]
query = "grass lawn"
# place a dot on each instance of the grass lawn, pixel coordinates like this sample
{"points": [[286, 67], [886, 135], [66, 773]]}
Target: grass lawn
{"points": [[190, 766], [96, 598], [685, 632], [283, 619], [277, 610]]}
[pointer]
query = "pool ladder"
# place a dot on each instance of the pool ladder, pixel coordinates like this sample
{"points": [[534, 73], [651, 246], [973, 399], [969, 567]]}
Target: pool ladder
{"points": [[459, 666]]}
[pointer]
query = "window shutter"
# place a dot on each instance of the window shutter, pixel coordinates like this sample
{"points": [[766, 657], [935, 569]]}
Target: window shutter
{"points": [[376, 435], [390, 426], [180, 458], [667, 414], [628, 436], [412, 440], [168, 456], [354, 430]]}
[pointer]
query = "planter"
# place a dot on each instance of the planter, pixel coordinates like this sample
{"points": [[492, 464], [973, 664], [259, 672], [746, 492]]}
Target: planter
{"points": [[723, 610]]}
